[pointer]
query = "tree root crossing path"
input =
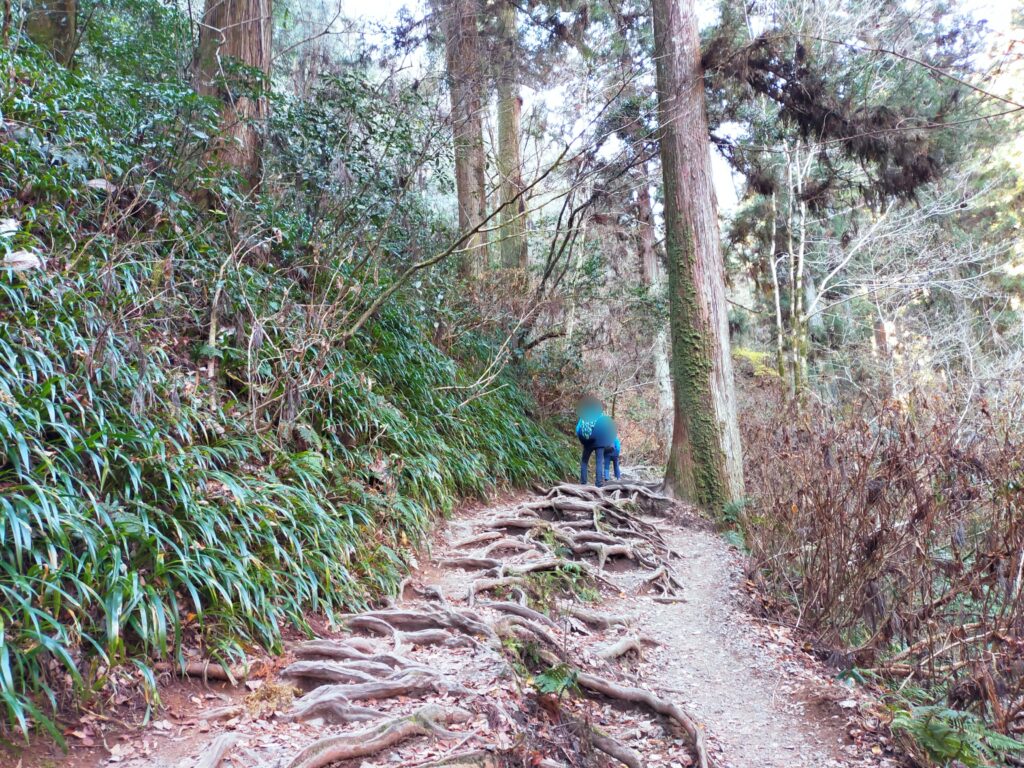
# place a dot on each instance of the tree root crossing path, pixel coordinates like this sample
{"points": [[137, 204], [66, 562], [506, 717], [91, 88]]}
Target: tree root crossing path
{"points": [[576, 627]]}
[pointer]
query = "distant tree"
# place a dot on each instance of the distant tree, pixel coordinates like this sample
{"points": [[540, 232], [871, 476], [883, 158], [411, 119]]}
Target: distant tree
{"points": [[705, 461], [852, 121], [52, 24], [234, 35], [465, 84]]}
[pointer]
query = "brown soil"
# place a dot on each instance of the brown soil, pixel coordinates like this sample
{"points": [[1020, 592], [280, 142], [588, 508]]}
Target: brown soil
{"points": [[761, 700]]}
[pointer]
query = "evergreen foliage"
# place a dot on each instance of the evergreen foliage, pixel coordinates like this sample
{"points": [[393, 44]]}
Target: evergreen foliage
{"points": [[147, 511]]}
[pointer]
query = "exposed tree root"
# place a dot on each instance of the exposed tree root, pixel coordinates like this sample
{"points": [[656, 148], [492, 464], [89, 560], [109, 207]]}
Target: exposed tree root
{"points": [[524, 628], [485, 585], [515, 523], [410, 627], [331, 672], [523, 611], [575, 532], [654, 703], [427, 720], [221, 713], [471, 563], [596, 620], [623, 646], [599, 685], [663, 580], [505, 543], [475, 758], [479, 538], [333, 702], [217, 751], [583, 522], [344, 650], [603, 743]]}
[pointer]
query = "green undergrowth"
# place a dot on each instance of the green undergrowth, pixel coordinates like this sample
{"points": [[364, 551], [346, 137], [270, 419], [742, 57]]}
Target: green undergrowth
{"points": [[147, 510]]}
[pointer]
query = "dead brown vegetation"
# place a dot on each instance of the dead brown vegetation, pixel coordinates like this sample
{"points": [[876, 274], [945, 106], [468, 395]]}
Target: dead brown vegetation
{"points": [[897, 541]]}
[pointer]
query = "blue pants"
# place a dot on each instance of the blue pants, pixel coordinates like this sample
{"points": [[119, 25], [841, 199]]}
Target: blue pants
{"points": [[589, 448], [611, 456]]}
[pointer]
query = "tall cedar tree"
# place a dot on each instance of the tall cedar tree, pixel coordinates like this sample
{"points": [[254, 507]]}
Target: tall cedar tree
{"points": [[236, 32], [705, 462], [465, 84]]}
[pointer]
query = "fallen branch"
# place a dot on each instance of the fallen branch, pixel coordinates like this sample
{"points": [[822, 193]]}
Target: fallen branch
{"points": [[205, 670]]}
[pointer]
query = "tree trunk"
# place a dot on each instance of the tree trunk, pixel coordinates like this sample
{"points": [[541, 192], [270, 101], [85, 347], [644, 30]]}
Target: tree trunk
{"points": [[52, 24], [512, 232], [238, 30], [773, 263], [705, 463], [650, 269], [465, 84], [799, 315]]}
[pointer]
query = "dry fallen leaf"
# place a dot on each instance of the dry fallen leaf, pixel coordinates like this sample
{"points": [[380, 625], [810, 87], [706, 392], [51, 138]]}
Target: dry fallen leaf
{"points": [[102, 185], [21, 261]]}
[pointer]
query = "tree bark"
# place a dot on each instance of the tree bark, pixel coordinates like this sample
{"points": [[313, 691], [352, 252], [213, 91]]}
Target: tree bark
{"points": [[773, 264], [512, 229], [238, 30], [650, 269], [652, 275], [52, 24], [705, 462], [465, 84]]}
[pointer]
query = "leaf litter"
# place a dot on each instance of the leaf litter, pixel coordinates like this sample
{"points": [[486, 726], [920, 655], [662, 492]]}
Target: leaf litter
{"points": [[556, 630]]}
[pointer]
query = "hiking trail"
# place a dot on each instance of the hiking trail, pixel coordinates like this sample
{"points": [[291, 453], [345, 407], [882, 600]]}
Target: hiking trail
{"points": [[573, 627]]}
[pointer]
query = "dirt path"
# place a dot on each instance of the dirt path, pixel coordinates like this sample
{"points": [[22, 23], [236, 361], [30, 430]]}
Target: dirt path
{"points": [[464, 671], [762, 703]]}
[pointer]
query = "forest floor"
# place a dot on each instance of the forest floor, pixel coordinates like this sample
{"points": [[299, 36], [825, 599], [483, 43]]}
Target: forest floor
{"points": [[570, 628]]}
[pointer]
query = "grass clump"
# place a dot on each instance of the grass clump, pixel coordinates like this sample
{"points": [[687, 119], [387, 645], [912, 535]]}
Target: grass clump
{"points": [[191, 457]]}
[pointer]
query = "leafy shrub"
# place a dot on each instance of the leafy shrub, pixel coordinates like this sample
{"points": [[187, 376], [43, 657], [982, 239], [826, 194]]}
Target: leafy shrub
{"points": [[557, 680]]}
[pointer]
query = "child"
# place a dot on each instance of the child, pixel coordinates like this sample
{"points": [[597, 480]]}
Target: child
{"points": [[611, 456], [596, 433]]}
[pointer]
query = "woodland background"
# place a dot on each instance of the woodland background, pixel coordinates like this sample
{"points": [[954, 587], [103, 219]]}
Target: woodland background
{"points": [[281, 286]]}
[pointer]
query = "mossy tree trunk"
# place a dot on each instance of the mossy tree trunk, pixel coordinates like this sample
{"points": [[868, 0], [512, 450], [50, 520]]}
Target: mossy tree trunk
{"points": [[465, 84], [52, 24], [705, 463], [237, 32], [512, 230]]}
